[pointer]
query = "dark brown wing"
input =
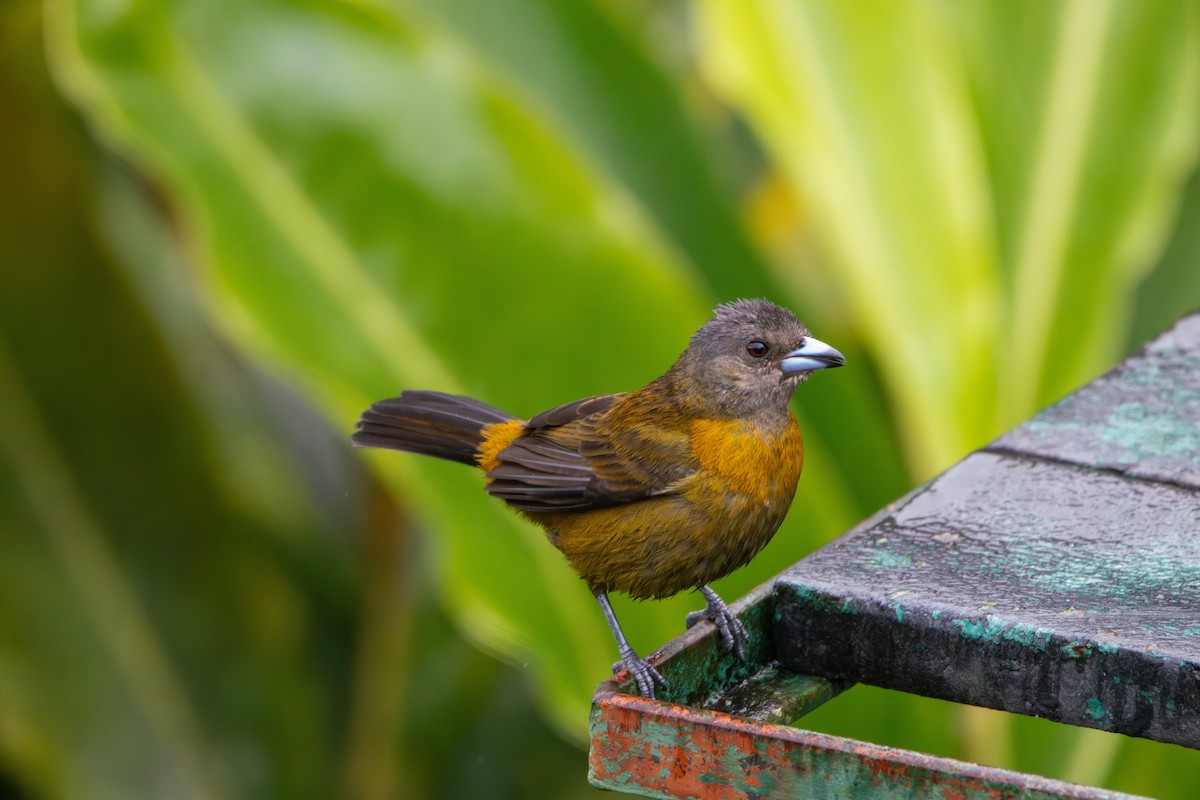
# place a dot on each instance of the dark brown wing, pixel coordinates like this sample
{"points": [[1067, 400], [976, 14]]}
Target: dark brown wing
{"points": [[576, 410], [578, 456]]}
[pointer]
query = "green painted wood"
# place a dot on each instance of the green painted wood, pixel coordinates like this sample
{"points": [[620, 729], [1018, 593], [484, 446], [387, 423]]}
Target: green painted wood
{"points": [[776, 695], [701, 672]]}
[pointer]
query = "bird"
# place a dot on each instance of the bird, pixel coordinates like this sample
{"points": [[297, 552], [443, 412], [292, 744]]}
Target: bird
{"points": [[649, 492]]}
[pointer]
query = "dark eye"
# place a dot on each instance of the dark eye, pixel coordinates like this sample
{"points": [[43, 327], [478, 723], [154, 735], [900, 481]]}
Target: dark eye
{"points": [[757, 349]]}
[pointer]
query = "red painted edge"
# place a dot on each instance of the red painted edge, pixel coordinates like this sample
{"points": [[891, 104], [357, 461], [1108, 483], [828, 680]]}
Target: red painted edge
{"points": [[713, 755]]}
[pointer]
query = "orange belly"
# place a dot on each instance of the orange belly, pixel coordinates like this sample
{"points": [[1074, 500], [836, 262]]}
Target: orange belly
{"points": [[715, 521]]}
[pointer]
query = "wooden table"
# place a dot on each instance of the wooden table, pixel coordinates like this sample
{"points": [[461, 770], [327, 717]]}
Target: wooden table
{"points": [[1054, 573]]}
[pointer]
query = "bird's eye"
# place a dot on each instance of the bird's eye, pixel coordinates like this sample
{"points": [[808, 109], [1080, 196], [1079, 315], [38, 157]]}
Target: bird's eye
{"points": [[757, 349]]}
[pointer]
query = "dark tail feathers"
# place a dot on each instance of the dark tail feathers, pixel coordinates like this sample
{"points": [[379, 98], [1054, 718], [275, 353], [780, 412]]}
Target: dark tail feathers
{"points": [[435, 424]]}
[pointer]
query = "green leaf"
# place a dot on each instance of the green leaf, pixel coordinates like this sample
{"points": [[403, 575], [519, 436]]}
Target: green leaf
{"points": [[877, 137], [600, 79], [1090, 138], [123, 561], [180, 535], [422, 230], [1173, 288], [990, 181], [526, 204]]}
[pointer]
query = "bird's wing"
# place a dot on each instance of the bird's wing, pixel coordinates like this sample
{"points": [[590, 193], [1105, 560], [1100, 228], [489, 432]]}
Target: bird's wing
{"points": [[576, 410], [568, 459]]}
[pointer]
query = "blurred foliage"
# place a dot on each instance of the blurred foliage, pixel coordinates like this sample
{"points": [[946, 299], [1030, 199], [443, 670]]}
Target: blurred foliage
{"points": [[280, 211]]}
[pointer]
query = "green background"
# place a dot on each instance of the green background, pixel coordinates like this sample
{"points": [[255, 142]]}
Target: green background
{"points": [[228, 225]]}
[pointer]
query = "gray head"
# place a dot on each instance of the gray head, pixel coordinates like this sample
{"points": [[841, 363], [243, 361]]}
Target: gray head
{"points": [[748, 359]]}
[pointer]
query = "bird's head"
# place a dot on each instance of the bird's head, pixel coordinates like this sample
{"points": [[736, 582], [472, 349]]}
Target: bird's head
{"points": [[749, 358]]}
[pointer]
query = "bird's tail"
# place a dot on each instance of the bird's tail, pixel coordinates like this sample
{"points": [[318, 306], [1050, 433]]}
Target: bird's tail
{"points": [[431, 423]]}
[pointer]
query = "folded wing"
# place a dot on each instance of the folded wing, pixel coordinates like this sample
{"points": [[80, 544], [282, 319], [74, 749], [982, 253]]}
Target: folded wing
{"points": [[586, 455]]}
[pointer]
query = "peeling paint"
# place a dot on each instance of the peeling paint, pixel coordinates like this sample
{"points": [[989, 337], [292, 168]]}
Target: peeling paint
{"points": [[1029, 635], [718, 757], [1076, 649], [1095, 709], [988, 630], [888, 559]]}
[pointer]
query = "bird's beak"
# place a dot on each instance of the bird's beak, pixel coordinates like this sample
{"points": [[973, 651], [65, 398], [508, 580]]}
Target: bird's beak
{"points": [[813, 354]]}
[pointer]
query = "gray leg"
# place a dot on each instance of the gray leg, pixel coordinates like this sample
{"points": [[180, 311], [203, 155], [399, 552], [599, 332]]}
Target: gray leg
{"points": [[645, 675], [732, 631]]}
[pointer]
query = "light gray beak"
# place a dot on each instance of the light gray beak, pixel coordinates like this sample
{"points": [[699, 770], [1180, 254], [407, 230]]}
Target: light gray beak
{"points": [[813, 354]]}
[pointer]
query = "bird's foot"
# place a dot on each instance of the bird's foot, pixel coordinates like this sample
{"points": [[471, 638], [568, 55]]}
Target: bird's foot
{"points": [[733, 632], [645, 675]]}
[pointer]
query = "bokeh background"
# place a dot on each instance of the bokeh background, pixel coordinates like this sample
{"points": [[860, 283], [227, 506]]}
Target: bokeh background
{"points": [[228, 225]]}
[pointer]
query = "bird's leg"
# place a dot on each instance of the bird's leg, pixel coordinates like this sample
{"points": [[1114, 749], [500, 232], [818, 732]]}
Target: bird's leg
{"points": [[645, 675], [733, 632]]}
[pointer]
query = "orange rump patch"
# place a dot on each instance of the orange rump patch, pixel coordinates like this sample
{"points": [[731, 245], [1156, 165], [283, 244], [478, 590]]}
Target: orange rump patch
{"points": [[496, 437]]}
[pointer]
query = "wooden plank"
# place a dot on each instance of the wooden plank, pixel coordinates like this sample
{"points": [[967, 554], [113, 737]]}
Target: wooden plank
{"points": [[1141, 419], [1029, 586], [774, 694], [727, 743], [658, 749]]}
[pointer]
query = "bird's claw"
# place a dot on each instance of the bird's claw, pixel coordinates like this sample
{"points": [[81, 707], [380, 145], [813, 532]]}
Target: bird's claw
{"points": [[644, 674], [733, 632]]}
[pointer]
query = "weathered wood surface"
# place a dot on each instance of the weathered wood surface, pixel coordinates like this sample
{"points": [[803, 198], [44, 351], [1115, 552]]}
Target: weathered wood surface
{"points": [[659, 749], [1056, 573], [719, 731], [1142, 419]]}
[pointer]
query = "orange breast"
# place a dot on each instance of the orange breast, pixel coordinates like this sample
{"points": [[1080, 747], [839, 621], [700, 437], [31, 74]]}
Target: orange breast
{"points": [[750, 461]]}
